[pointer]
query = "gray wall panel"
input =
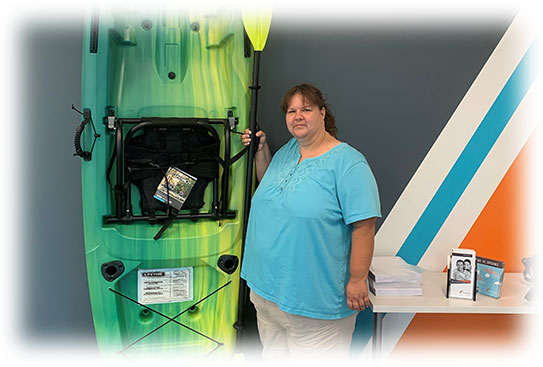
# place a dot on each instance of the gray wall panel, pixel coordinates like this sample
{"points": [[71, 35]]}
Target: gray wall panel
{"points": [[392, 89], [55, 298]]}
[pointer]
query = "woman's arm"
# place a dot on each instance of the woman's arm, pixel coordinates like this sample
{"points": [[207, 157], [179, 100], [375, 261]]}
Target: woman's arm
{"points": [[263, 155], [361, 255]]}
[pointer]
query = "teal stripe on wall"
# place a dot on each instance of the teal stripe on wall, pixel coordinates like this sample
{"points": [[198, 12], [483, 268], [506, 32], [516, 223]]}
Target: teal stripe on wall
{"points": [[470, 159]]}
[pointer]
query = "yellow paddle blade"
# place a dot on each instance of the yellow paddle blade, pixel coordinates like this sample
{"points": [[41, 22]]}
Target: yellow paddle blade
{"points": [[256, 17]]}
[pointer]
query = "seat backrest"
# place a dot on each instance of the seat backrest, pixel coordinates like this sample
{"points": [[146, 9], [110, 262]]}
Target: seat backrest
{"points": [[150, 153]]}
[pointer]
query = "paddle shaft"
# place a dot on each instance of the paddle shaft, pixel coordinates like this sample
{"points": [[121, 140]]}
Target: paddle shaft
{"points": [[252, 148], [242, 296]]}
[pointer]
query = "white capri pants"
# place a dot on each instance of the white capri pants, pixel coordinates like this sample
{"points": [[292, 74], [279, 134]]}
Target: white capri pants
{"points": [[284, 335]]}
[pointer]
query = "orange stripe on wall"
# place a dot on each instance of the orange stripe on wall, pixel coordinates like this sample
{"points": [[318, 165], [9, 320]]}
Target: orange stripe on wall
{"points": [[500, 232], [444, 332]]}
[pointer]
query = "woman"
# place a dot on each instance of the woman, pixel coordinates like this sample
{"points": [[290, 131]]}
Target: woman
{"points": [[310, 235]]}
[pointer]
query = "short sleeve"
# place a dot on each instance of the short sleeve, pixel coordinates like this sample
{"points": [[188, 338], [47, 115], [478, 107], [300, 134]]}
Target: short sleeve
{"points": [[357, 194]]}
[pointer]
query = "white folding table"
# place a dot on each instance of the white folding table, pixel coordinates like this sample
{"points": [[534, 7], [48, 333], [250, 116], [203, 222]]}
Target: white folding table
{"points": [[434, 300]]}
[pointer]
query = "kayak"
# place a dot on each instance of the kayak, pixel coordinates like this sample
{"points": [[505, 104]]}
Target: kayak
{"points": [[161, 90]]}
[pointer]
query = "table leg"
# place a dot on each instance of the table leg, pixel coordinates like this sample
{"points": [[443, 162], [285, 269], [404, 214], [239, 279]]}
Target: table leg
{"points": [[377, 335]]}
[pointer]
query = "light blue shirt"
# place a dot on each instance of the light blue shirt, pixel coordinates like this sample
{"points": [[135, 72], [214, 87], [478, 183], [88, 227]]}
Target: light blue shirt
{"points": [[298, 242]]}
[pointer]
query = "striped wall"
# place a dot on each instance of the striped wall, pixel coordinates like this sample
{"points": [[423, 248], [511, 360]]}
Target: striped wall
{"points": [[471, 188]]}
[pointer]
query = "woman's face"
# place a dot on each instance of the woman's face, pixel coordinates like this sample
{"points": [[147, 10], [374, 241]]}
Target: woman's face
{"points": [[304, 120]]}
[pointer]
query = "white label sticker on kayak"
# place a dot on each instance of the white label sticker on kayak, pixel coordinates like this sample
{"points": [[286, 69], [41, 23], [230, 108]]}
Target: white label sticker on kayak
{"points": [[164, 285]]}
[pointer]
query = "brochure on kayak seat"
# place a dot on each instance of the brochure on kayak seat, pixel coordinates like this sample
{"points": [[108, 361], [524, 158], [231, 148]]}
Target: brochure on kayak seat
{"points": [[175, 187]]}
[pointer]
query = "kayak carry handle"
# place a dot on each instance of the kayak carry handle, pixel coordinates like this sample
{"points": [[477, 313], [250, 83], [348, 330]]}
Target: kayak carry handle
{"points": [[87, 156]]}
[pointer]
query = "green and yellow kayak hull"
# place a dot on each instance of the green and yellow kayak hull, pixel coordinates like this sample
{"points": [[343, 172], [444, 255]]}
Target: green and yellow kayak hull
{"points": [[178, 63]]}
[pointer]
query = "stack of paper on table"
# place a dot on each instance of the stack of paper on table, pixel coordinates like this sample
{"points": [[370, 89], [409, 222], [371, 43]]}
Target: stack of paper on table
{"points": [[392, 276]]}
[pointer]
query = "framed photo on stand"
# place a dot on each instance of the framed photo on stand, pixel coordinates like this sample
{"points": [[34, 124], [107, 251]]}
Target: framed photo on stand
{"points": [[462, 274]]}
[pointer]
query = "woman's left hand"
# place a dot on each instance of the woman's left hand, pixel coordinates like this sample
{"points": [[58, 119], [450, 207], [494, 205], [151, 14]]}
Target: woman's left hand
{"points": [[357, 294]]}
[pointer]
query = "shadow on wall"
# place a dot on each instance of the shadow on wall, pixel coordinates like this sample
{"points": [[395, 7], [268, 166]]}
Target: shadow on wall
{"points": [[55, 299]]}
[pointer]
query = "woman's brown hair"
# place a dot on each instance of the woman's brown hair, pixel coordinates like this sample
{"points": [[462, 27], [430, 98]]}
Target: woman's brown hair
{"points": [[313, 95]]}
